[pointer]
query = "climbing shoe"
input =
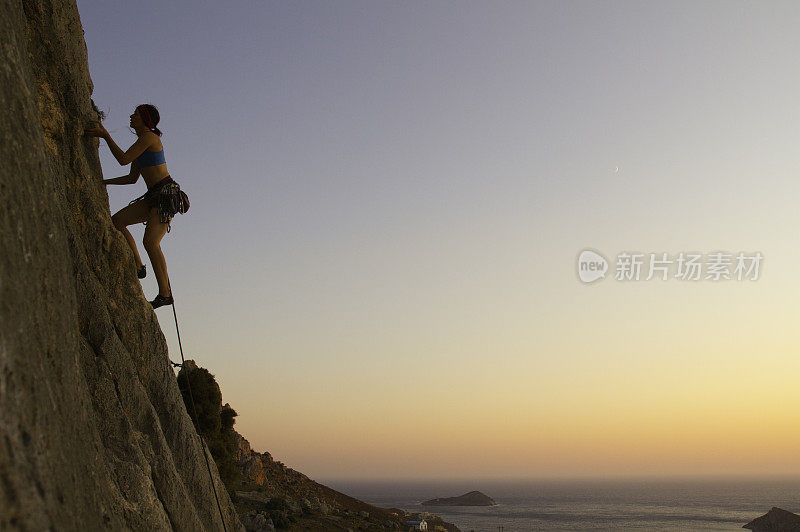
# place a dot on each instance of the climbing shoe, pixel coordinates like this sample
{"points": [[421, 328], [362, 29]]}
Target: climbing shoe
{"points": [[160, 301], [142, 273]]}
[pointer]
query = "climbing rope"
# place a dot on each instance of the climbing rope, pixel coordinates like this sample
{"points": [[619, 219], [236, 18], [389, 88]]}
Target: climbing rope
{"points": [[194, 409]]}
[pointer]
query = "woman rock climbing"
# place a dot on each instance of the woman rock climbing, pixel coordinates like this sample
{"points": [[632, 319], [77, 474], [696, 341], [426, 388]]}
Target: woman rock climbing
{"points": [[146, 157]]}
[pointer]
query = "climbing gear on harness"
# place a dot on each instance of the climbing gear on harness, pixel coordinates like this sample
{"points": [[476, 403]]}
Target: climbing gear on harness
{"points": [[142, 273], [206, 451], [160, 301], [167, 196], [171, 200]]}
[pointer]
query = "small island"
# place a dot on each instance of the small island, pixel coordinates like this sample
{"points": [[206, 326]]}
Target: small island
{"points": [[473, 498], [775, 519]]}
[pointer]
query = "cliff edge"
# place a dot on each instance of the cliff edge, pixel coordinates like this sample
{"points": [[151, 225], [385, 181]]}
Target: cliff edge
{"points": [[94, 433]]}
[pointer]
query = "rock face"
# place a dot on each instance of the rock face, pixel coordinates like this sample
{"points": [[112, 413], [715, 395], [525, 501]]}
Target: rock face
{"points": [[94, 433], [473, 498], [776, 520]]}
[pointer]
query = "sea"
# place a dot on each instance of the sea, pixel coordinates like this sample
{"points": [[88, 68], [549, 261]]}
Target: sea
{"points": [[589, 504]]}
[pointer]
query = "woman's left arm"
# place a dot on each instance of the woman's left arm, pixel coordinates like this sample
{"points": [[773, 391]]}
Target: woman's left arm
{"points": [[122, 157]]}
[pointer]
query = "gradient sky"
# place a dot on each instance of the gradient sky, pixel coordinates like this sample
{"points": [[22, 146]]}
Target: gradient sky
{"points": [[388, 200]]}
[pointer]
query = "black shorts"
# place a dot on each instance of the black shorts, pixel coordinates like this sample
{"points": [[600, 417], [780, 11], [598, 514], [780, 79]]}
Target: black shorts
{"points": [[168, 202], [151, 196]]}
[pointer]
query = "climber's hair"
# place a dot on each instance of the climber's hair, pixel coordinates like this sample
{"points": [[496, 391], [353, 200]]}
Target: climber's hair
{"points": [[150, 116]]}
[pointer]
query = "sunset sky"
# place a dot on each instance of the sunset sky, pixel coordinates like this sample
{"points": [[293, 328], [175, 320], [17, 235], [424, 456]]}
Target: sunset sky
{"points": [[388, 199]]}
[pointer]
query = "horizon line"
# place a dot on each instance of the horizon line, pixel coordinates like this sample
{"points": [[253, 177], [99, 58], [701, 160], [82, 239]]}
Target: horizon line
{"points": [[573, 478]]}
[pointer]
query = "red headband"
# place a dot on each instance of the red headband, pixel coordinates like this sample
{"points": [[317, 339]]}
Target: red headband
{"points": [[145, 114]]}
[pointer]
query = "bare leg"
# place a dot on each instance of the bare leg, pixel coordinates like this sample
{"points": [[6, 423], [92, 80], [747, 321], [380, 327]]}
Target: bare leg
{"points": [[132, 243], [132, 214], [153, 234]]}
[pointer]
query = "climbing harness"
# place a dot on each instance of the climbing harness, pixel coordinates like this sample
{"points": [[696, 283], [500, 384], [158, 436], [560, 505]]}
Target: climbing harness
{"points": [[194, 410], [171, 200], [168, 197]]}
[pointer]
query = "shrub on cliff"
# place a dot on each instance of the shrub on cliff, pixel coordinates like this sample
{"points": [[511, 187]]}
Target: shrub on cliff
{"points": [[214, 422]]}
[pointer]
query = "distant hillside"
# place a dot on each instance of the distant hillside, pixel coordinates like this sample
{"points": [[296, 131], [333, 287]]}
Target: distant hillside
{"points": [[271, 489], [265, 492]]}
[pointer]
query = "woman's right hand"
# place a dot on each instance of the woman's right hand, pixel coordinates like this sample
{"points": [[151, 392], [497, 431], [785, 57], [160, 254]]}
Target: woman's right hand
{"points": [[97, 131]]}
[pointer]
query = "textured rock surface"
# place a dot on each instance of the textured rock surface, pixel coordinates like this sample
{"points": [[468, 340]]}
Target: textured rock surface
{"points": [[94, 434]]}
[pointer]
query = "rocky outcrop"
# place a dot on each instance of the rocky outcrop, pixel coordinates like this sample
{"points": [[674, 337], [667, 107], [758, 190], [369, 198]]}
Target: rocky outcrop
{"points": [[776, 520], [276, 495], [473, 498], [271, 491], [94, 433]]}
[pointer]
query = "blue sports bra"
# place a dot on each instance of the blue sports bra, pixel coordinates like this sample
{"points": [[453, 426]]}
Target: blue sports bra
{"points": [[151, 158]]}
